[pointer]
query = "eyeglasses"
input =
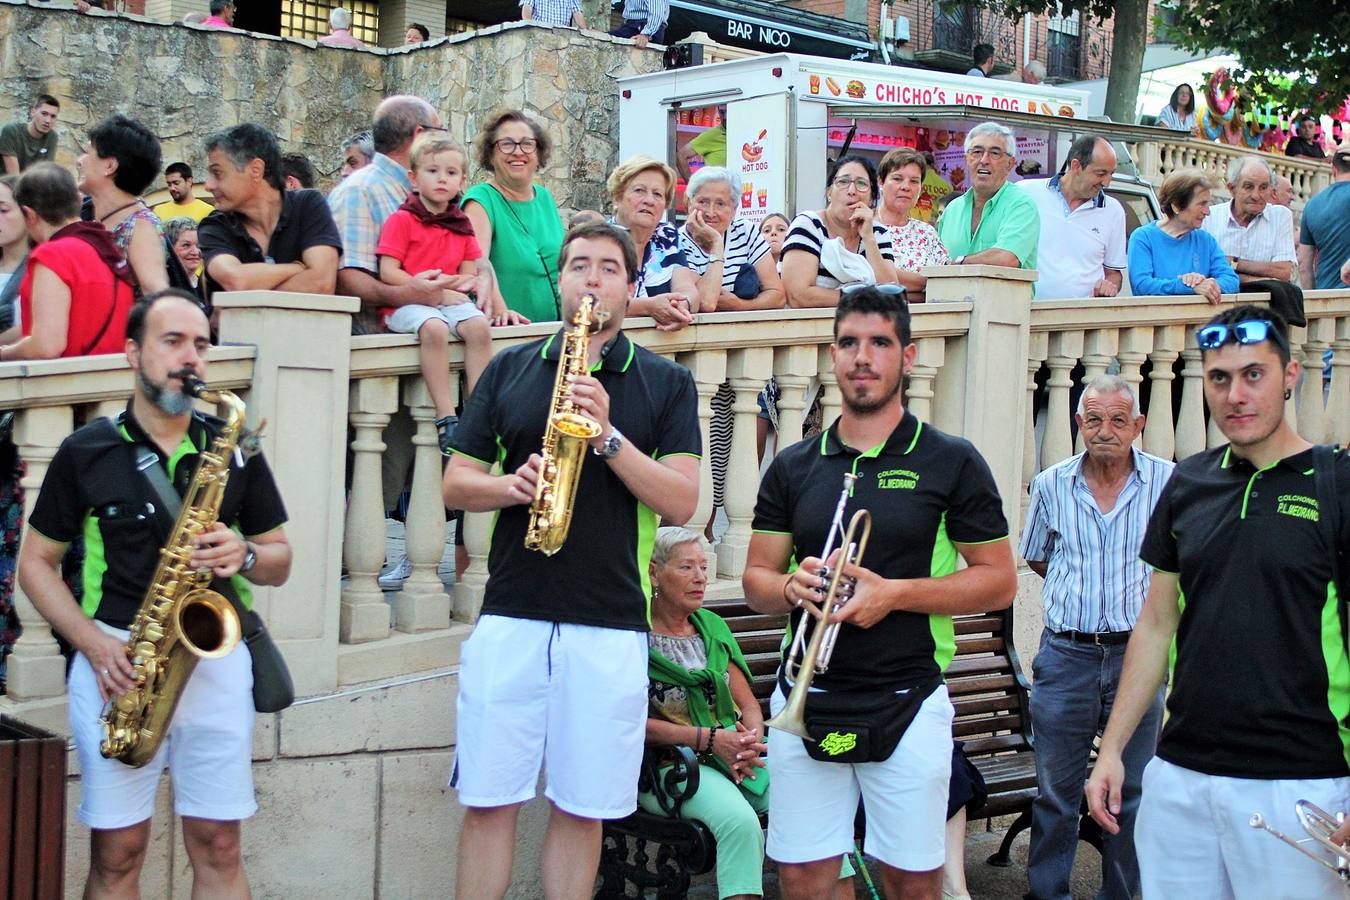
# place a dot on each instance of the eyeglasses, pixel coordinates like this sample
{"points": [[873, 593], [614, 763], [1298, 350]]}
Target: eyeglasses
{"points": [[862, 185], [506, 145], [435, 128], [993, 153], [1252, 331]]}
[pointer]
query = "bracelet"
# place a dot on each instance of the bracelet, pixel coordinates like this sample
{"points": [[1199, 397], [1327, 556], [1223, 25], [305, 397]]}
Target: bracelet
{"points": [[698, 737], [712, 736], [787, 599]]}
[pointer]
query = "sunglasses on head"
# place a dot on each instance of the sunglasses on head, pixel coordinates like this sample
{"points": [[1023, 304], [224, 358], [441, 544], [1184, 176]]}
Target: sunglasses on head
{"points": [[1252, 331]]}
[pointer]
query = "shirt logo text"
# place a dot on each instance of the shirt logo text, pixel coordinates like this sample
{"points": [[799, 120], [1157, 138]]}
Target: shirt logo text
{"points": [[1298, 506], [897, 479]]}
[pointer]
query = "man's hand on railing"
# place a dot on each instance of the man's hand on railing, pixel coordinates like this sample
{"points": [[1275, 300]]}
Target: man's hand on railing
{"points": [[1105, 288]]}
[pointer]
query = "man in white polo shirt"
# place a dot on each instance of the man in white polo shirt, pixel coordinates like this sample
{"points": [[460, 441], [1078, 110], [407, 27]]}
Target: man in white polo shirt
{"points": [[1257, 236], [1084, 226]]}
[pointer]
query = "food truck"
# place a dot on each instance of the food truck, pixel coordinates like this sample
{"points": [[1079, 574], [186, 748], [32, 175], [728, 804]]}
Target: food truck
{"points": [[786, 115]]}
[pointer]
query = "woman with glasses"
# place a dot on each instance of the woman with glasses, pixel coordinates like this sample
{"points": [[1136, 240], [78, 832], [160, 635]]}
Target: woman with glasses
{"points": [[1175, 255], [516, 221], [839, 245], [914, 242], [667, 289]]}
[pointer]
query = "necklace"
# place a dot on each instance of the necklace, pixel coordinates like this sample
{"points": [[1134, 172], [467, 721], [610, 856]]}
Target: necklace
{"points": [[512, 194], [108, 216]]}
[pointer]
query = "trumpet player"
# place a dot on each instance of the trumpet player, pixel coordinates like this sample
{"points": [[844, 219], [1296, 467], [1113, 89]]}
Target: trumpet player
{"points": [[932, 499], [93, 488], [1241, 607], [555, 671]]}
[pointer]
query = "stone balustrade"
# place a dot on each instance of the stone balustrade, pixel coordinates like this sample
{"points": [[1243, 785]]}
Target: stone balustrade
{"points": [[376, 671], [1156, 160]]}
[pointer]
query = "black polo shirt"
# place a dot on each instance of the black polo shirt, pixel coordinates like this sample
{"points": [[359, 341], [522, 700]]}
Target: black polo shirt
{"points": [[1259, 673], [306, 221], [92, 488], [599, 577], [927, 492]]}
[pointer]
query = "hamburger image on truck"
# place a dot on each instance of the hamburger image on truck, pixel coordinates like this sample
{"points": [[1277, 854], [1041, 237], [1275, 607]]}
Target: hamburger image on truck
{"points": [[787, 115]]}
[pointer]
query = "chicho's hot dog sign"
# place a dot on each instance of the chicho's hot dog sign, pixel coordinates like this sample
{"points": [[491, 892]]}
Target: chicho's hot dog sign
{"points": [[991, 93]]}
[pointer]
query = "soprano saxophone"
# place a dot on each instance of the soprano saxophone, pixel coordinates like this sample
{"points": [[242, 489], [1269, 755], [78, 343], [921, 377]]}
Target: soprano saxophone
{"points": [[565, 440], [180, 620]]}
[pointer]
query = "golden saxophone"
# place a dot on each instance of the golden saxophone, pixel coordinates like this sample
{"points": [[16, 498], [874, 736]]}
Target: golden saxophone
{"points": [[180, 620], [565, 440]]}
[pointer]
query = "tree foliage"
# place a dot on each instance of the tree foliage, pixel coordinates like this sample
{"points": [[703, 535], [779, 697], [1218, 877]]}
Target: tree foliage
{"points": [[1295, 53]]}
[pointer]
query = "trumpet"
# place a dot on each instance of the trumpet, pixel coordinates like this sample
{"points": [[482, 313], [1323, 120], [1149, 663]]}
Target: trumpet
{"points": [[815, 658], [1319, 824]]}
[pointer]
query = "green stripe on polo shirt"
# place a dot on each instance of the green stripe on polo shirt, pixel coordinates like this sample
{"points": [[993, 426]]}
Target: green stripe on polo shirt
{"points": [[941, 627], [1338, 668], [472, 457], [646, 539], [1172, 650], [95, 566], [1247, 492]]}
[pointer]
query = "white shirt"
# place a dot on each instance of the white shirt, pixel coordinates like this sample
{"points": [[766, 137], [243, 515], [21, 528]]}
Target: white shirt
{"points": [[1268, 237], [1076, 244]]}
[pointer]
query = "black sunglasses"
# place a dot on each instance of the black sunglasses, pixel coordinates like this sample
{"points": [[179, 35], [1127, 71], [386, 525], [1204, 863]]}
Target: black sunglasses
{"points": [[1252, 331]]}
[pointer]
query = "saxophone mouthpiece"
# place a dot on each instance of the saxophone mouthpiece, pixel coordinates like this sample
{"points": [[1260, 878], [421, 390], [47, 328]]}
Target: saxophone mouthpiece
{"points": [[192, 385]]}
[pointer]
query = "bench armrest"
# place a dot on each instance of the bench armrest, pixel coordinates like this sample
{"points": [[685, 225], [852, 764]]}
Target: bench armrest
{"points": [[678, 784]]}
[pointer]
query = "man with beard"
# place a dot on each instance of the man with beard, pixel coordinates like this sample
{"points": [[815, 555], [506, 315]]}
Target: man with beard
{"points": [[24, 143], [1084, 526], [181, 202], [932, 500], [994, 223], [93, 488], [1243, 609]]}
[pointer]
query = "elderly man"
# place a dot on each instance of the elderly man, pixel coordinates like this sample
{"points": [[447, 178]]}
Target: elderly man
{"points": [[1257, 236], [357, 152], [1084, 225], [34, 141], [1324, 231], [1084, 526], [994, 223], [262, 236], [1282, 192], [222, 15], [340, 23]]}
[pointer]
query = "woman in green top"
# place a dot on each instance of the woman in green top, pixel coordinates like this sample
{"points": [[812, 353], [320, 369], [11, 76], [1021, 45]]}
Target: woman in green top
{"points": [[515, 220]]}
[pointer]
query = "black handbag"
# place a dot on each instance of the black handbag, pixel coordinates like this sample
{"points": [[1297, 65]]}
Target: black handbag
{"points": [[860, 726], [747, 285], [273, 689]]}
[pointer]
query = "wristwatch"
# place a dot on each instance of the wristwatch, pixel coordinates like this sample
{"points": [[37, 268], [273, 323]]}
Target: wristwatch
{"points": [[250, 558], [713, 259], [610, 446]]}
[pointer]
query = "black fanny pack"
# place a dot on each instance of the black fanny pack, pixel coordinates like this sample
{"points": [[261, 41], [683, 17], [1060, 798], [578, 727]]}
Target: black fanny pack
{"points": [[857, 727]]}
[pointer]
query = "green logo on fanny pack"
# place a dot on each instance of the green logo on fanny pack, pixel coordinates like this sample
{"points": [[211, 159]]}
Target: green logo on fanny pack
{"points": [[836, 742]]}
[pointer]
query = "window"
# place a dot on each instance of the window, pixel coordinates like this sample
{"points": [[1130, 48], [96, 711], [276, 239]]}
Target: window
{"points": [[309, 18], [1062, 46]]}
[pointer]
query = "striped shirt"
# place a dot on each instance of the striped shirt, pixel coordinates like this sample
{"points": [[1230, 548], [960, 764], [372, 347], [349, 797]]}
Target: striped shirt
{"points": [[743, 245], [1095, 579], [654, 12], [808, 232], [552, 12], [1268, 237]]}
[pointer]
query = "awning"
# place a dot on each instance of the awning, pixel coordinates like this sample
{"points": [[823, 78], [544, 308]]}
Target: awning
{"points": [[1113, 131], [769, 27]]}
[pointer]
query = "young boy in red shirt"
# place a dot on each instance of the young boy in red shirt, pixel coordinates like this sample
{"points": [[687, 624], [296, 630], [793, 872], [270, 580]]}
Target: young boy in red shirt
{"points": [[427, 235]]}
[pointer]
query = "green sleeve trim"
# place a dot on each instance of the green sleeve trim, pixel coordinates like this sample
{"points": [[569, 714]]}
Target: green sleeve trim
{"points": [[474, 458], [768, 531], [669, 455], [1164, 571], [978, 543]]}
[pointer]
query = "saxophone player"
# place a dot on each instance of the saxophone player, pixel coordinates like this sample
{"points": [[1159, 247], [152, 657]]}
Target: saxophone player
{"points": [[93, 488], [556, 669]]}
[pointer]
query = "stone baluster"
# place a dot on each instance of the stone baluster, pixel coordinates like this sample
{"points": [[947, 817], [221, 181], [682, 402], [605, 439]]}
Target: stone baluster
{"points": [[927, 361], [747, 370], [1159, 433], [36, 668], [1338, 402], [363, 615], [1135, 346], [1291, 403], [793, 367], [831, 403], [472, 586], [423, 604], [1311, 417], [1191, 418], [1039, 349], [1099, 348], [709, 368], [1065, 349]]}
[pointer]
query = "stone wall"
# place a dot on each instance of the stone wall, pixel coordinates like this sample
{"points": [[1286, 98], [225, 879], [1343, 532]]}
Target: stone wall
{"points": [[186, 82]]}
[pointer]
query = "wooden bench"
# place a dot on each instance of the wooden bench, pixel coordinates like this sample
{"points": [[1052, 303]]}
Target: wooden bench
{"points": [[993, 719]]}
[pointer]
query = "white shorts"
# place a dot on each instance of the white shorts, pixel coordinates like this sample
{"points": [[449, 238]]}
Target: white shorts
{"points": [[1193, 838], [208, 751], [573, 697], [410, 319], [813, 804]]}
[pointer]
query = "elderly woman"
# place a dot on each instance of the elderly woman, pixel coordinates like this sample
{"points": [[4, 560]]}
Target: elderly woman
{"points": [[181, 233], [749, 276], [841, 244], [914, 243], [516, 221], [700, 697], [667, 289], [119, 164], [1175, 255]]}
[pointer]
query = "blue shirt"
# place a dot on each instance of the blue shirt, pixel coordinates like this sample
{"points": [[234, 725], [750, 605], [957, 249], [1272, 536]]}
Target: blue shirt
{"points": [[1158, 260], [1326, 226], [654, 13], [1095, 580]]}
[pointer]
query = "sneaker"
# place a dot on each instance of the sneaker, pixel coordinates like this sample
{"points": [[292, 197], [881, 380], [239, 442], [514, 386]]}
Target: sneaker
{"points": [[394, 576], [445, 428]]}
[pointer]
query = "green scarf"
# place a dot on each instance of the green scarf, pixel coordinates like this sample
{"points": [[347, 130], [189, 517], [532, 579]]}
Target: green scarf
{"points": [[722, 651]]}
